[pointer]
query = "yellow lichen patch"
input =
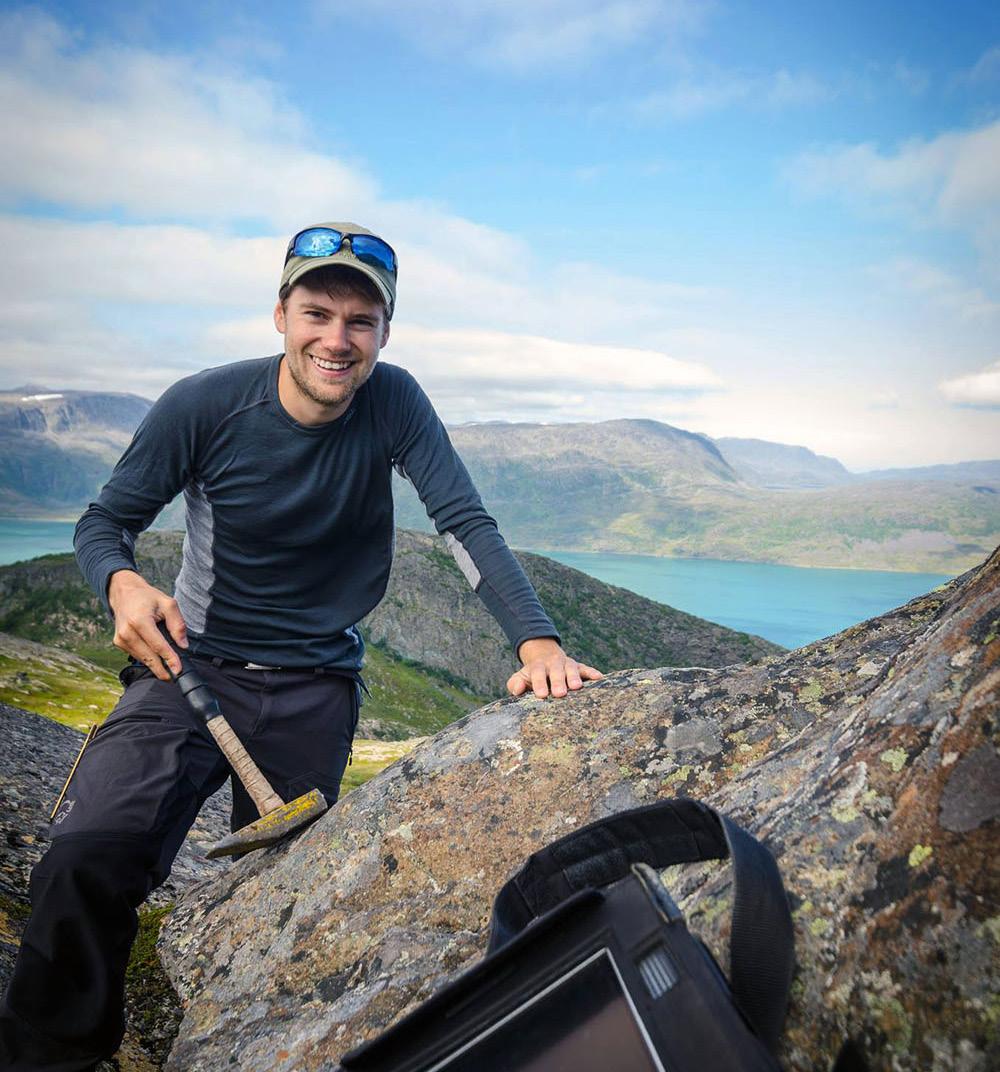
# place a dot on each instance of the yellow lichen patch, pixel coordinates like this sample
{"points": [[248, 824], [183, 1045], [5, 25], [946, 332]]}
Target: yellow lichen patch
{"points": [[991, 927], [820, 927], [680, 775], [557, 754], [895, 759], [918, 854], [845, 813], [811, 693]]}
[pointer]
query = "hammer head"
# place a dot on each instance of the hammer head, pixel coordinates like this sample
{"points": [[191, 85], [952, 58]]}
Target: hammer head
{"points": [[272, 827]]}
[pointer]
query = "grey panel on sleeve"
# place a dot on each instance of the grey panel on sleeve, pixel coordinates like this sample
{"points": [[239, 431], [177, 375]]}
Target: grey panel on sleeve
{"points": [[464, 560], [193, 590]]}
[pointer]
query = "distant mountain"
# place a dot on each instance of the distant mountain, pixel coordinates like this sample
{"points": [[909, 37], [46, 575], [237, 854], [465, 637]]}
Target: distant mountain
{"points": [[985, 472], [639, 487], [633, 486], [775, 465], [58, 447]]}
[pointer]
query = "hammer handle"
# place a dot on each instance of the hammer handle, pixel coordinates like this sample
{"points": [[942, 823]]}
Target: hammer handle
{"points": [[203, 700], [247, 771]]}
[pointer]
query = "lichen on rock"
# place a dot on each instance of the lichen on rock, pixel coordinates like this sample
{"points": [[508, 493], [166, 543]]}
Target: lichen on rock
{"points": [[867, 762]]}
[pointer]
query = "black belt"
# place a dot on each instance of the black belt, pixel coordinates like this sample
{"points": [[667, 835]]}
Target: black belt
{"points": [[235, 664]]}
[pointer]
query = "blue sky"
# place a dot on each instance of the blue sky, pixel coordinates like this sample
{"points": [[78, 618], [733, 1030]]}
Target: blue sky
{"points": [[771, 220]]}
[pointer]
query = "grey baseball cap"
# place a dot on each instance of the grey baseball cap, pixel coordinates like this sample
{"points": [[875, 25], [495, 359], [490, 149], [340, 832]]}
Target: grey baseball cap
{"points": [[363, 261]]}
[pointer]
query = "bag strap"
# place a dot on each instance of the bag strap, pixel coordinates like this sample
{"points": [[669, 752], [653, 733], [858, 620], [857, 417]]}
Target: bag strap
{"points": [[661, 834]]}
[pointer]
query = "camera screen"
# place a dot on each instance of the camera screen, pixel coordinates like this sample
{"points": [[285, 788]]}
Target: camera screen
{"points": [[582, 1022]]}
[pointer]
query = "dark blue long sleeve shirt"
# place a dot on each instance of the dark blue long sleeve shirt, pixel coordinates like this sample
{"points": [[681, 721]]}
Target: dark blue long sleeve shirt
{"points": [[290, 527]]}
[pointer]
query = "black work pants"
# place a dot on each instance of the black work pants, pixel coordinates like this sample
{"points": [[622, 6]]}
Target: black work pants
{"points": [[136, 792]]}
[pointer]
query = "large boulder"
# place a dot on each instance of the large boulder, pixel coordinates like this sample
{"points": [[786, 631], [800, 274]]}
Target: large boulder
{"points": [[867, 762]]}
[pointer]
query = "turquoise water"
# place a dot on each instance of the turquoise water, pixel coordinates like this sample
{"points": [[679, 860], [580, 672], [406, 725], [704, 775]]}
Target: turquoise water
{"points": [[21, 539], [787, 604]]}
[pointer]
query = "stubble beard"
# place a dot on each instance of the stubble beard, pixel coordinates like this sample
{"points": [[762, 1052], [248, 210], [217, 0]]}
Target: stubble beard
{"points": [[301, 381]]}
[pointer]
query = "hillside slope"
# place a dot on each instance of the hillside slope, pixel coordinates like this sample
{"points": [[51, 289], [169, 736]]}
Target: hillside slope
{"points": [[58, 447], [430, 618]]}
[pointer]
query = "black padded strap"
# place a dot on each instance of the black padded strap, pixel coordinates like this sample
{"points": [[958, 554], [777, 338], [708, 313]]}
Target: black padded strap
{"points": [[661, 834], [762, 942]]}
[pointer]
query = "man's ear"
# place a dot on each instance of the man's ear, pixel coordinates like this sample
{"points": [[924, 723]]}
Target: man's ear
{"points": [[385, 332], [279, 318]]}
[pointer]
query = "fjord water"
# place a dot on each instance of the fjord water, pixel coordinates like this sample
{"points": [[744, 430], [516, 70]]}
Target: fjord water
{"points": [[21, 539], [790, 605]]}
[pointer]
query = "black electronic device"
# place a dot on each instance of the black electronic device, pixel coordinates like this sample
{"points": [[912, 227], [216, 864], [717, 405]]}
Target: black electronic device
{"points": [[592, 968]]}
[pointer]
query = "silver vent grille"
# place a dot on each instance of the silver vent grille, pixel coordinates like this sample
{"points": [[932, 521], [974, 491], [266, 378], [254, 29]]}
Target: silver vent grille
{"points": [[658, 972]]}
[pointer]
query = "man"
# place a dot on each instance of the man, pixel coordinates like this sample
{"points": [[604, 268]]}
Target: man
{"points": [[285, 464]]}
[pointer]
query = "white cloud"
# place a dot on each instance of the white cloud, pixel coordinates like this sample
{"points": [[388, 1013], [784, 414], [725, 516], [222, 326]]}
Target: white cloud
{"points": [[976, 389], [711, 91], [953, 179], [987, 68], [915, 276], [530, 361], [68, 261], [530, 37], [166, 137], [883, 400]]}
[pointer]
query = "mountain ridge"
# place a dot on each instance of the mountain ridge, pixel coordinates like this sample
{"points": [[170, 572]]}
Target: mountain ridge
{"points": [[629, 486]]}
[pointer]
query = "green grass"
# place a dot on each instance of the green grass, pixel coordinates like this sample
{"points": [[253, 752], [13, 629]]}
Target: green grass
{"points": [[153, 1008], [411, 699], [370, 757], [65, 690]]}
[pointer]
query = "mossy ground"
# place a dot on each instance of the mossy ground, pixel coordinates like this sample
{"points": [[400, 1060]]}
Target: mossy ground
{"points": [[72, 692], [413, 700], [153, 1007], [372, 756]]}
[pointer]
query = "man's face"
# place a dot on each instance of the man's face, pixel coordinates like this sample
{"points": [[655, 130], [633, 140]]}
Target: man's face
{"points": [[331, 346]]}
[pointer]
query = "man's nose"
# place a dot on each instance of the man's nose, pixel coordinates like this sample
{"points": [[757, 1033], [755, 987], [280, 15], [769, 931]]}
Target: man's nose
{"points": [[335, 336]]}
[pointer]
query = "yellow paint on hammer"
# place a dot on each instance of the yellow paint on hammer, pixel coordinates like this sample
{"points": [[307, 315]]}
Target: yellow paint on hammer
{"points": [[271, 827], [290, 812]]}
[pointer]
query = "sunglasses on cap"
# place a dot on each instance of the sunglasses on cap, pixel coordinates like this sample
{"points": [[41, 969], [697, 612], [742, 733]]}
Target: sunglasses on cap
{"points": [[325, 242]]}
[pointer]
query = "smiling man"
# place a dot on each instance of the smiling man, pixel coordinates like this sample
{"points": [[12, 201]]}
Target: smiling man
{"points": [[286, 468]]}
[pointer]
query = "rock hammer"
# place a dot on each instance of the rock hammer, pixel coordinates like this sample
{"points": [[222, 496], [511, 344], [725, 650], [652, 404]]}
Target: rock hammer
{"points": [[277, 819]]}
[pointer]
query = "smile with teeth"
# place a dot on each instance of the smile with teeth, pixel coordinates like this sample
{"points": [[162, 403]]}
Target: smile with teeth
{"points": [[331, 366]]}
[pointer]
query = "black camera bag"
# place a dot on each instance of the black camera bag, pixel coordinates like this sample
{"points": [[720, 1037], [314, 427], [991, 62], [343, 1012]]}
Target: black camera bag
{"points": [[590, 965]]}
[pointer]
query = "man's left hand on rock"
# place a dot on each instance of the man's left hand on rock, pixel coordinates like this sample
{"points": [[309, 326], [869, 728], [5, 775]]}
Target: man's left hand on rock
{"points": [[548, 669]]}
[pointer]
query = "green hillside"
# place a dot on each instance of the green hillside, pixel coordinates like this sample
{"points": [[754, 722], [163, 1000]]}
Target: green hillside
{"points": [[47, 601], [434, 651]]}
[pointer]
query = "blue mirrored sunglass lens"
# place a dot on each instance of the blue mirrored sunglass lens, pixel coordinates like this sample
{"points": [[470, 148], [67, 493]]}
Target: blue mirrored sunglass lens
{"points": [[317, 242], [373, 251]]}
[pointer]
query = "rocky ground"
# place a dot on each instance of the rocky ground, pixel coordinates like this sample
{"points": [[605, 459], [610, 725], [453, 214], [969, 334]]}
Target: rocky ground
{"points": [[36, 755], [867, 762]]}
